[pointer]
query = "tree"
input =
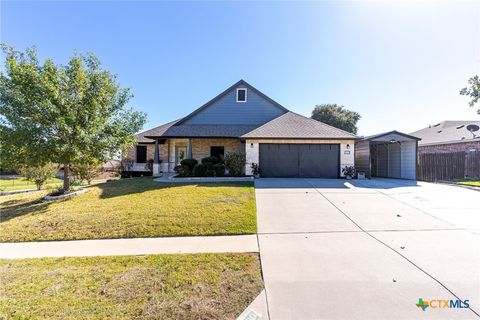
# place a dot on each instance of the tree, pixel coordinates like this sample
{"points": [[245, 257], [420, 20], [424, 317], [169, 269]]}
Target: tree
{"points": [[337, 116], [473, 91], [235, 163], [40, 174], [65, 114], [86, 171]]}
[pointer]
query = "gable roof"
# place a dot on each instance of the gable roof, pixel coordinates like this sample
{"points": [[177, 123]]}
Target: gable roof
{"points": [[225, 92], [447, 132], [390, 133], [294, 126]]}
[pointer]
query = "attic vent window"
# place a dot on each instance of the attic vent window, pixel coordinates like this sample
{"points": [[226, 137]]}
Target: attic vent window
{"points": [[241, 95]]}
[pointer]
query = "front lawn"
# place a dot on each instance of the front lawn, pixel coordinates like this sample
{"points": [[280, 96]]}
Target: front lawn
{"points": [[470, 182], [200, 286], [20, 183], [130, 208]]}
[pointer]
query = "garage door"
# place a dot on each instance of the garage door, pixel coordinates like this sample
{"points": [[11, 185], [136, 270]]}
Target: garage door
{"points": [[299, 160]]}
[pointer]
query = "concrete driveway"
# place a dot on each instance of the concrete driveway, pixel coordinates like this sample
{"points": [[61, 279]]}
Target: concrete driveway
{"points": [[337, 249]]}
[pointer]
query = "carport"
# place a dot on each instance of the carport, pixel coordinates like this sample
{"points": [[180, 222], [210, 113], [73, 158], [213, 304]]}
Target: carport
{"points": [[388, 155]]}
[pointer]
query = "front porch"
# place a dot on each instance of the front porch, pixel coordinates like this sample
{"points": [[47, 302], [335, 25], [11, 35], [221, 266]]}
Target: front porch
{"points": [[167, 153]]}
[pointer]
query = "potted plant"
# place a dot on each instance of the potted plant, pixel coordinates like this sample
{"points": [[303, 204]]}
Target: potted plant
{"points": [[255, 170], [349, 172]]}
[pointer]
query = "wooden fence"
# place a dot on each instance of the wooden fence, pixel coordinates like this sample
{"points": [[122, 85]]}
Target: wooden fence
{"points": [[448, 166]]}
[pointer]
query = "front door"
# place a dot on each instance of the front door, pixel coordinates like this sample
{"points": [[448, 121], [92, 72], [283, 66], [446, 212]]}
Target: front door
{"points": [[180, 154]]}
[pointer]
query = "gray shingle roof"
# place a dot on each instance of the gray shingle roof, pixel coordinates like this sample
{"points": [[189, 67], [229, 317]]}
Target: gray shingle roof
{"points": [[155, 132], [385, 136], [447, 132], [208, 130], [295, 126]]}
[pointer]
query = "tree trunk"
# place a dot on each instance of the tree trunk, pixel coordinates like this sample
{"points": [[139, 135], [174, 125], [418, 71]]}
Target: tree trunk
{"points": [[66, 179]]}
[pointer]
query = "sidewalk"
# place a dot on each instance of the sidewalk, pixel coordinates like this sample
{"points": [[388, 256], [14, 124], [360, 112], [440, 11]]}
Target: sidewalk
{"points": [[136, 246]]}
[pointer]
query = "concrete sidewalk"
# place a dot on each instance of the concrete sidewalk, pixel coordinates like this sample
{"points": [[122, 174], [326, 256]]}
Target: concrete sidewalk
{"points": [[137, 246]]}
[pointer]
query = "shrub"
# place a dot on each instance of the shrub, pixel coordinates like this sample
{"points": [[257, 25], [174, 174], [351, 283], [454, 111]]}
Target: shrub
{"points": [[255, 169], [182, 170], [39, 175], [190, 163], [219, 170], [85, 171], [235, 163], [349, 171], [211, 160], [149, 165], [199, 170], [127, 167]]}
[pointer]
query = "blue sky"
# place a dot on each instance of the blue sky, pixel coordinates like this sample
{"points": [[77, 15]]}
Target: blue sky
{"points": [[401, 65]]}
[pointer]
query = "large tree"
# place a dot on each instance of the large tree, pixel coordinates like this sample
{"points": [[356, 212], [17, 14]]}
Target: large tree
{"points": [[473, 91], [66, 114], [337, 116]]}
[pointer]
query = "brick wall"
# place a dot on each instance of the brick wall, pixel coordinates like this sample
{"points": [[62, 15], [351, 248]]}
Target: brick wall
{"points": [[201, 147], [448, 148]]}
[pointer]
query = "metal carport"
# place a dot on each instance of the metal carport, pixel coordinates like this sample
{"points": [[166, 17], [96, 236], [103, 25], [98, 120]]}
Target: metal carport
{"points": [[390, 155]]}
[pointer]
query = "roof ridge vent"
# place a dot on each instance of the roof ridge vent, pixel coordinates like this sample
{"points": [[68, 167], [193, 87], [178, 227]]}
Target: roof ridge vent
{"points": [[436, 125], [460, 126]]}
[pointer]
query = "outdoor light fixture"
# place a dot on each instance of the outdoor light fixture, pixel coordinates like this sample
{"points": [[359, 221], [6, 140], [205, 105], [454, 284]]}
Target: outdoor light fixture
{"points": [[348, 146], [393, 141], [251, 145]]}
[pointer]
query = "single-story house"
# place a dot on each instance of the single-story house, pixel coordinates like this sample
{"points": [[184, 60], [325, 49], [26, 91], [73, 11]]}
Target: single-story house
{"points": [[241, 118], [391, 154], [449, 136]]}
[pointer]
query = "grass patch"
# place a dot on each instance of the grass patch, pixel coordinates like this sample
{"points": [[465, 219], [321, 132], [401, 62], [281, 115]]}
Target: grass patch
{"points": [[194, 286], [131, 208], [469, 182], [20, 183]]}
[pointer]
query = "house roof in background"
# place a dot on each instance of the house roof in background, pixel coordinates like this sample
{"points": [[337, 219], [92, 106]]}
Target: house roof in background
{"points": [[447, 132], [294, 126], [219, 131]]}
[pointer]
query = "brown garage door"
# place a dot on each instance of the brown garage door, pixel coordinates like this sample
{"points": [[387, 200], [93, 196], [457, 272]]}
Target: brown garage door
{"points": [[299, 160]]}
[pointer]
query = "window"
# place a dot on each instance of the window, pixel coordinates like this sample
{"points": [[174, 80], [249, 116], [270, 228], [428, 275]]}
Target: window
{"points": [[241, 95], [217, 152], [141, 154]]}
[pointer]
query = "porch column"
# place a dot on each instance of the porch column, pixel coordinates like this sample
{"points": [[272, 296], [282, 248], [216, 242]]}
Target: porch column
{"points": [[156, 162], [189, 149]]}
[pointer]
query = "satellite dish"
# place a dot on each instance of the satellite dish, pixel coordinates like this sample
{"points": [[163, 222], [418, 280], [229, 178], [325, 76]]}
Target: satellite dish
{"points": [[473, 127]]}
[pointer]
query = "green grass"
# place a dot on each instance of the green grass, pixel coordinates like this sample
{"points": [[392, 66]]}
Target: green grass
{"points": [[19, 183], [200, 286], [131, 208], [470, 182]]}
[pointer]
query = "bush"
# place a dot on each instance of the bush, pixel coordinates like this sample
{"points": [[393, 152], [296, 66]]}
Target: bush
{"points": [[182, 170], [149, 165], [235, 163], [190, 163], [85, 171], [219, 170], [349, 171], [39, 175], [199, 170], [211, 160]]}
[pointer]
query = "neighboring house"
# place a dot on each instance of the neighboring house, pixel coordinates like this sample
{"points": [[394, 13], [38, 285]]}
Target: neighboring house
{"points": [[281, 142], [449, 136]]}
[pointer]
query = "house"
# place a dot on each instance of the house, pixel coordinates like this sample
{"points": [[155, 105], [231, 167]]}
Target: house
{"points": [[391, 154], [241, 118], [449, 150], [449, 136]]}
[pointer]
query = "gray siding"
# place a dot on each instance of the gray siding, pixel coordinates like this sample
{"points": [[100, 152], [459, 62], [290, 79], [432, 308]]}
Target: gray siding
{"points": [[227, 111], [394, 161], [409, 160], [362, 157], [382, 161]]}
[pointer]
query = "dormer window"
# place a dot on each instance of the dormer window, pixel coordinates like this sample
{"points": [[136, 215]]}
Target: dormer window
{"points": [[241, 94]]}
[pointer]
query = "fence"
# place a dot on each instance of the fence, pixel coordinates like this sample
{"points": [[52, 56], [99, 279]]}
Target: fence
{"points": [[448, 166]]}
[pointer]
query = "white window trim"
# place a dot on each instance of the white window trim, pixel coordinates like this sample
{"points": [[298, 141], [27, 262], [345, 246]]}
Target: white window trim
{"points": [[238, 89]]}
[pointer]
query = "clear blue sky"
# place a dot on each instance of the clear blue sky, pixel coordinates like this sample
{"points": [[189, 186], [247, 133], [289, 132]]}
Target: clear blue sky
{"points": [[400, 65]]}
